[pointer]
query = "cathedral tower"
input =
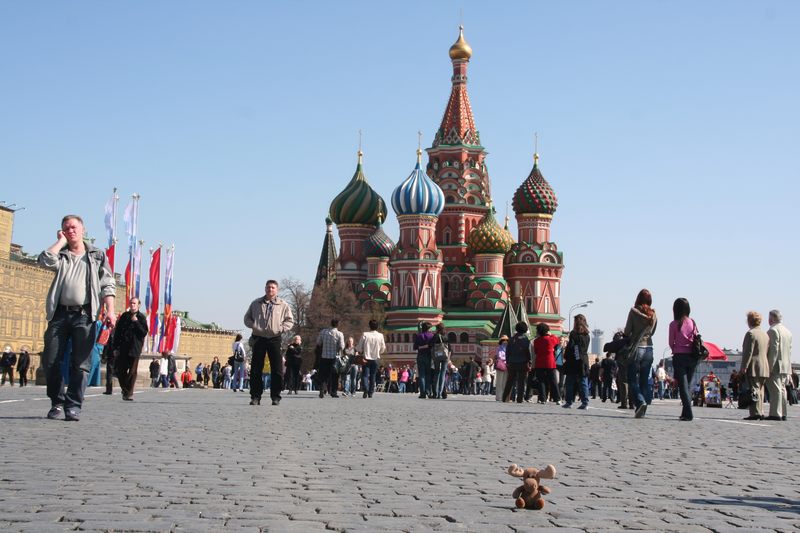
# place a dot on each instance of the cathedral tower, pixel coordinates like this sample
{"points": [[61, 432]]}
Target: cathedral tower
{"points": [[416, 262], [456, 164], [534, 265], [356, 211]]}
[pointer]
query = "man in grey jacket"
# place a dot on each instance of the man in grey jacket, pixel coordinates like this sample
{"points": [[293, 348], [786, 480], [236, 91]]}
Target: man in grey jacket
{"points": [[83, 282], [268, 317], [779, 359]]}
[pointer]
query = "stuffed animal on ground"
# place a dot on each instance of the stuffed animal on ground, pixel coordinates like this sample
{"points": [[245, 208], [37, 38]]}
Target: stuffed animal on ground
{"points": [[529, 494]]}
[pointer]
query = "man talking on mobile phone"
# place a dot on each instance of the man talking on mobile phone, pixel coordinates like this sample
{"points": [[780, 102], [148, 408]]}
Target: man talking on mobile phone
{"points": [[83, 282]]}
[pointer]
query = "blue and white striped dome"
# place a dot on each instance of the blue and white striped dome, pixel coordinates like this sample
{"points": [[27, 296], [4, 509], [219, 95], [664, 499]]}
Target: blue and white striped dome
{"points": [[418, 194]]}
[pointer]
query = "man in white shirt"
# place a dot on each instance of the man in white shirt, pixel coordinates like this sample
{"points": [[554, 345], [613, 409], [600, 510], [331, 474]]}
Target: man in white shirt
{"points": [[371, 346]]}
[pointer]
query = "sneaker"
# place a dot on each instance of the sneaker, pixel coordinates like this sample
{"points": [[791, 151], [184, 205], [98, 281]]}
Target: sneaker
{"points": [[128, 398], [621, 407], [567, 406], [55, 412], [72, 415], [640, 411], [583, 406], [275, 402]]}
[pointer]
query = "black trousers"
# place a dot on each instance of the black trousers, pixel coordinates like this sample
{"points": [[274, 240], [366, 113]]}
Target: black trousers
{"points": [[22, 373], [547, 380], [126, 369], [328, 377], [517, 372], [293, 381], [266, 347]]}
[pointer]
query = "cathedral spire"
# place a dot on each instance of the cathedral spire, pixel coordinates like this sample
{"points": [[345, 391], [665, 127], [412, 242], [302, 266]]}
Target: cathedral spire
{"points": [[326, 269], [458, 124]]}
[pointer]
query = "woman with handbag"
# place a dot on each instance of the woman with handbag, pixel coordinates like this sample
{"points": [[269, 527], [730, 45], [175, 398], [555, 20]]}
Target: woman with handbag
{"points": [[641, 326], [500, 368], [755, 368], [440, 349], [576, 363], [681, 337]]}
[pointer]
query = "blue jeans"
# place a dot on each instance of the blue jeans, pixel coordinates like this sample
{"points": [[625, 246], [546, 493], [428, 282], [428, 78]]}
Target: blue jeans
{"points": [[424, 373], [660, 390], [401, 386], [238, 375], [583, 388], [439, 375], [370, 369], [639, 375], [79, 327], [684, 366], [352, 380]]}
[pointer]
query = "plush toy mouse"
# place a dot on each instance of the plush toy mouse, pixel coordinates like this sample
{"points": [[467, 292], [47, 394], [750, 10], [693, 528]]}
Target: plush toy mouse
{"points": [[529, 494]]}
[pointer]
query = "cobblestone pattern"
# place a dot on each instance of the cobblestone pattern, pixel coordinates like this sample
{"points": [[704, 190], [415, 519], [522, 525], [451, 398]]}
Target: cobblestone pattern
{"points": [[204, 460]]}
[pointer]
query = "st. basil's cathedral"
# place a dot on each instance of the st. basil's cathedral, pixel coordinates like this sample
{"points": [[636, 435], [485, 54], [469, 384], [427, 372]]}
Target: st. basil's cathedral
{"points": [[453, 261]]}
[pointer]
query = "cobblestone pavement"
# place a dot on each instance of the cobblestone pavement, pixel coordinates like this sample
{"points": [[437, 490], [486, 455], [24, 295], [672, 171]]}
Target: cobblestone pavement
{"points": [[203, 460]]}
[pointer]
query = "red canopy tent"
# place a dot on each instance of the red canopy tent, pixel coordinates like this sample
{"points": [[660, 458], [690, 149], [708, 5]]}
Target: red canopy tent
{"points": [[714, 352]]}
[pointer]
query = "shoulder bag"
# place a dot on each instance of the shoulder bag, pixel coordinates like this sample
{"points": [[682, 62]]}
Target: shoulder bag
{"points": [[699, 349], [441, 352]]}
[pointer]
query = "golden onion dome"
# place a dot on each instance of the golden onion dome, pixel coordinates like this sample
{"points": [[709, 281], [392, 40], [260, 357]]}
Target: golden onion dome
{"points": [[488, 237], [461, 49]]}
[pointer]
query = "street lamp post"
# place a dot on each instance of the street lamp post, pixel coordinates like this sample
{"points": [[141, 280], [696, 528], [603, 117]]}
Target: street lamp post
{"points": [[576, 306]]}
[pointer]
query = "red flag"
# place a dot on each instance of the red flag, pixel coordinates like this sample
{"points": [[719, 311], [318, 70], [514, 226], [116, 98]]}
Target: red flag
{"points": [[110, 256], [155, 275], [128, 285]]}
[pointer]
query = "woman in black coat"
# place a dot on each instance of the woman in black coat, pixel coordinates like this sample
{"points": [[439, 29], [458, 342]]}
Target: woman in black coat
{"points": [[576, 363], [518, 362]]}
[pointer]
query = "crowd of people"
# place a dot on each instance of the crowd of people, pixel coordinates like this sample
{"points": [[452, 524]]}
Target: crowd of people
{"points": [[555, 369]]}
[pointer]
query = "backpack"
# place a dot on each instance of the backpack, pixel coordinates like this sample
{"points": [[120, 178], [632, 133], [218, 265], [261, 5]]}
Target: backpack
{"points": [[238, 353]]}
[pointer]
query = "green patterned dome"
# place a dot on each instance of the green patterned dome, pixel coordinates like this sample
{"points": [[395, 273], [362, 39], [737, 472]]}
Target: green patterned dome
{"points": [[535, 196], [358, 203], [489, 237]]}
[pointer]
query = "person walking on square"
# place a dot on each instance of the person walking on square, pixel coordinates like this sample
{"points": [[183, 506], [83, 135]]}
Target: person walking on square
{"points": [[268, 317], [576, 363], [127, 343], [7, 362], [216, 369], [422, 344], [681, 336], [661, 379], [154, 372], [371, 345], [239, 363], [755, 368], [608, 369], [82, 287], [294, 360], [594, 377], [544, 346], [332, 342], [518, 362], [779, 358], [500, 368], [439, 344], [640, 327], [23, 364]]}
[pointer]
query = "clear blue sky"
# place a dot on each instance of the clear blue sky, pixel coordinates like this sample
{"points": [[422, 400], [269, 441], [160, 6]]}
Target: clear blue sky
{"points": [[666, 129]]}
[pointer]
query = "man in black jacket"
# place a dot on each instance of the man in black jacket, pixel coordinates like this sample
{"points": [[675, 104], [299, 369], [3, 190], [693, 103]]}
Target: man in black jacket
{"points": [[7, 362], [23, 364], [129, 337]]}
